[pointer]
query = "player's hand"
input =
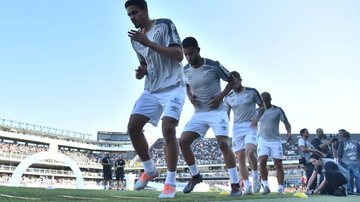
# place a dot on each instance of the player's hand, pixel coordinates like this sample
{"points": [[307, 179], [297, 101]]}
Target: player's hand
{"points": [[254, 123], [139, 37], [193, 100], [289, 137], [214, 102], [140, 72]]}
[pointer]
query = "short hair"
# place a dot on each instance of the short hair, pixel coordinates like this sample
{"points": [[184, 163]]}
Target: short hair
{"points": [[346, 134], [342, 130], [315, 156], [302, 131], [138, 3], [190, 42], [236, 74]]}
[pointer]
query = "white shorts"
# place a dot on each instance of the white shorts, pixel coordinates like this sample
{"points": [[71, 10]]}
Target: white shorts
{"points": [[243, 134], [270, 149], [152, 105], [200, 123]]}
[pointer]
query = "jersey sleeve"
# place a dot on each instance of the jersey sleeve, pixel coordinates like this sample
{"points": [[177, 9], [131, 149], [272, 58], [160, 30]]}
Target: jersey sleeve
{"points": [[223, 73], [282, 115], [301, 142], [171, 35], [257, 97]]}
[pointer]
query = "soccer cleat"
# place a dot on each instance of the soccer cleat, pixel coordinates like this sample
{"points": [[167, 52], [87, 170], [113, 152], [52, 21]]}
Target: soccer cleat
{"points": [[168, 191], [281, 191], [235, 190], [266, 190], [144, 179], [191, 184], [247, 191], [256, 185]]}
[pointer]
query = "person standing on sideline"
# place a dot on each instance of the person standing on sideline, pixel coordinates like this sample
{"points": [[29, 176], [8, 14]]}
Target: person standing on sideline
{"points": [[335, 176], [107, 173], [119, 172], [349, 158], [269, 142], [242, 101], [204, 92], [158, 47], [322, 144], [305, 150]]}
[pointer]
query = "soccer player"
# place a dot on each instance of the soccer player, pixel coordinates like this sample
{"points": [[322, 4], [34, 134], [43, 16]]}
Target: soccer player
{"points": [[269, 142], [107, 173], [158, 47], [204, 92], [242, 101], [119, 172]]}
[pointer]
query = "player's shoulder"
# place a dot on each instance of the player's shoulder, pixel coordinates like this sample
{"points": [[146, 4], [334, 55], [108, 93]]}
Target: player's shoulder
{"points": [[165, 21], [187, 66], [211, 62], [231, 94], [251, 89]]}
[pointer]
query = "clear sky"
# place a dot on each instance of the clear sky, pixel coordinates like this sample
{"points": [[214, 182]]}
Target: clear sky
{"points": [[69, 64]]}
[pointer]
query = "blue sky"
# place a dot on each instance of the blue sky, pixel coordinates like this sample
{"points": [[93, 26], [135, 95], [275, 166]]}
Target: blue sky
{"points": [[69, 64]]}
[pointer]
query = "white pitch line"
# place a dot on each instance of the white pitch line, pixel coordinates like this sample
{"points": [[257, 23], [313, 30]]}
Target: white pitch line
{"points": [[19, 197], [133, 197], [80, 197]]}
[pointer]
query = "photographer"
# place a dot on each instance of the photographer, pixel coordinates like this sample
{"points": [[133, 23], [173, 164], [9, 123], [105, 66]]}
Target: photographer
{"points": [[335, 178], [322, 144]]}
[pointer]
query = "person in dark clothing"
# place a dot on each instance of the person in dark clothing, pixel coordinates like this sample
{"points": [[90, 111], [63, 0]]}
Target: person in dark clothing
{"points": [[119, 172], [322, 144], [335, 176], [107, 173], [349, 158]]}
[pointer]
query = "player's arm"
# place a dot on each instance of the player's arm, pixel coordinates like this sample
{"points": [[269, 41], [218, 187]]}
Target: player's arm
{"points": [[288, 129], [174, 52], [312, 179], [190, 95], [215, 101], [260, 112]]}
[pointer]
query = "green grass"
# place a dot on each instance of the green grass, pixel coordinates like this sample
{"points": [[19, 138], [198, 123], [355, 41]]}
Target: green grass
{"points": [[37, 194]]}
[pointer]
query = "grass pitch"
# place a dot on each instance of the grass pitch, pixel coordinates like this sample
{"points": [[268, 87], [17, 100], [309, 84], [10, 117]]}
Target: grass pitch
{"points": [[40, 194]]}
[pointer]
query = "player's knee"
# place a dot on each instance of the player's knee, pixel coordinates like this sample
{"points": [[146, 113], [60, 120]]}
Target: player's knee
{"points": [[183, 142]]}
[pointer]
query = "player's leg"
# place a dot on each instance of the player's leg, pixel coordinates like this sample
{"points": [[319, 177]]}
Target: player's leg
{"points": [[264, 151], [279, 175], [230, 163]]}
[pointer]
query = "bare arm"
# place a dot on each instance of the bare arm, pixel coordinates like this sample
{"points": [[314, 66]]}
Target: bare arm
{"points": [[288, 129], [261, 111], [311, 180], [174, 52], [190, 95], [321, 186], [215, 101]]}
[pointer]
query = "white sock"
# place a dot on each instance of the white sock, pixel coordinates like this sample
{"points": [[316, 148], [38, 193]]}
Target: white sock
{"points": [[233, 175], [149, 166], [194, 170], [280, 186], [255, 174], [247, 184], [265, 183], [171, 178]]}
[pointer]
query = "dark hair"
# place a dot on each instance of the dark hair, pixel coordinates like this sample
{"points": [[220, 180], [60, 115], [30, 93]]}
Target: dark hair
{"points": [[315, 156], [302, 131], [190, 42], [346, 134], [236, 74], [138, 3]]}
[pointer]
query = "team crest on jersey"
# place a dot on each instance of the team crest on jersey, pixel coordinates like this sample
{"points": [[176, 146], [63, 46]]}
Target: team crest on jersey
{"points": [[156, 35]]}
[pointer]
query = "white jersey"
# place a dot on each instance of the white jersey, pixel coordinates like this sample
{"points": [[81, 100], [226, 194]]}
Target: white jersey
{"points": [[243, 104], [269, 123], [205, 82], [162, 72]]}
